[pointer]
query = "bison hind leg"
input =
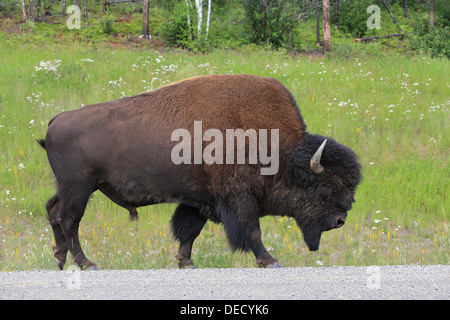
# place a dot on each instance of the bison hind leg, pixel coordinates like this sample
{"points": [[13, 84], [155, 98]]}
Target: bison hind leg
{"points": [[60, 249], [187, 223]]}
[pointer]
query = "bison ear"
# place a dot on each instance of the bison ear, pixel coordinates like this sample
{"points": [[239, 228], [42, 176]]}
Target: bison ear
{"points": [[302, 176]]}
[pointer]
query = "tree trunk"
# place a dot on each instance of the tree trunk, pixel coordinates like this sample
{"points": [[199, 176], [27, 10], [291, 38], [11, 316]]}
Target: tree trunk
{"points": [[188, 6], [145, 21], [38, 8], [207, 19], [317, 21], [326, 26], [31, 13], [63, 7], [78, 3], [198, 5], [431, 13], [405, 5], [85, 12], [392, 15], [24, 11], [336, 15]]}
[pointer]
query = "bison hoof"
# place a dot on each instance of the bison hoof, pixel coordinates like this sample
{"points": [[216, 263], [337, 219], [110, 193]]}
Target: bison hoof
{"points": [[188, 266], [185, 263], [92, 268], [60, 264], [273, 265]]}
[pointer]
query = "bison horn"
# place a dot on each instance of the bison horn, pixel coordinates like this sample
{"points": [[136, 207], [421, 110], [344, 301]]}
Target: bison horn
{"points": [[315, 165]]}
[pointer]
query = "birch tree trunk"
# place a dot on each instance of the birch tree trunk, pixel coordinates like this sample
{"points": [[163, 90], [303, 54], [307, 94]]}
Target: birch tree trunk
{"points": [[188, 6], [24, 11], [207, 19], [326, 26], [198, 5]]}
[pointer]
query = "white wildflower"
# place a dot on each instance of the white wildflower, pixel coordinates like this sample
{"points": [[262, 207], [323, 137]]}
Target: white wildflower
{"points": [[47, 66]]}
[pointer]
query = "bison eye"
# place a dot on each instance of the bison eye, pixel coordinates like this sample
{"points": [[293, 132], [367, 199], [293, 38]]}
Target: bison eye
{"points": [[325, 191]]}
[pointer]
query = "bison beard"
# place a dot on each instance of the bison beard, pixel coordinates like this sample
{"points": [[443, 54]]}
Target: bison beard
{"points": [[123, 148]]}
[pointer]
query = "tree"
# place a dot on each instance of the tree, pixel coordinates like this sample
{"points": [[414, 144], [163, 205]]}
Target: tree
{"points": [[272, 21], [38, 8], [145, 21], [326, 26], [207, 19], [392, 15], [405, 5], [31, 13], [199, 6], [24, 11], [85, 11], [336, 15], [188, 7], [317, 22], [431, 13]]}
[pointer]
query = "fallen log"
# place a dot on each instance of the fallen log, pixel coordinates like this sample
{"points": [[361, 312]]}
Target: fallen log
{"points": [[377, 37]]}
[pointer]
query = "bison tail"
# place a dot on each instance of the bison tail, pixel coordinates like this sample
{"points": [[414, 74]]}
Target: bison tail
{"points": [[41, 143]]}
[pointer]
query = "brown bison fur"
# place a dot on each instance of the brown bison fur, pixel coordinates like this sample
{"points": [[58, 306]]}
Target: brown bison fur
{"points": [[123, 148]]}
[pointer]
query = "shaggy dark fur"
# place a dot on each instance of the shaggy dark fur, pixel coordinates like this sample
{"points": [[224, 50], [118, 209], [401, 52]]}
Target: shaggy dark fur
{"points": [[325, 194]]}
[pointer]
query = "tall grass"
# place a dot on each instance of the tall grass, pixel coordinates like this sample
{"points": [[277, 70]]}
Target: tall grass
{"points": [[392, 110]]}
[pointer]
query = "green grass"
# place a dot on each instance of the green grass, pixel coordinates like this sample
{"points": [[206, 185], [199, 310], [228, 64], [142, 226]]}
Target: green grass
{"points": [[391, 109]]}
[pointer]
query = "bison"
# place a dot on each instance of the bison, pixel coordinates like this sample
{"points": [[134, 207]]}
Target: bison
{"points": [[125, 149]]}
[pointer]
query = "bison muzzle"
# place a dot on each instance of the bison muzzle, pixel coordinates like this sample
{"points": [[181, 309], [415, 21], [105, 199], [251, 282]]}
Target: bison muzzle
{"points": [[123, 148]]}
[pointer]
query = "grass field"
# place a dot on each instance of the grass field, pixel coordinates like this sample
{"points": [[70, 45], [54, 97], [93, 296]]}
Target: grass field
{"points": [[391, 109]]}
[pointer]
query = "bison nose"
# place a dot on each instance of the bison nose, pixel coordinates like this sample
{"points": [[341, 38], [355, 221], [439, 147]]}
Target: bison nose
{"points": [[340, 222]]}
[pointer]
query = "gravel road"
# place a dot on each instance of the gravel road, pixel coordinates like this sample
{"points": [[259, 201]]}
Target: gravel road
{"points": [[385, 282]]}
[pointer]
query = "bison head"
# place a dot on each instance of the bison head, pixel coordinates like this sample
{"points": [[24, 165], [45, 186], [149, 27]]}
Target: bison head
{"points": [[324, 175]]}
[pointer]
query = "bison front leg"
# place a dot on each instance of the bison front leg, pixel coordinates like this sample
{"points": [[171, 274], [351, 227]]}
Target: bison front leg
{"points": [[240, 217], [187, 222]]}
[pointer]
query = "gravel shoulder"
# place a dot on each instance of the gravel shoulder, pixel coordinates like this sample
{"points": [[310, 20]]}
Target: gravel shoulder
{"points": [[384, 282]]}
